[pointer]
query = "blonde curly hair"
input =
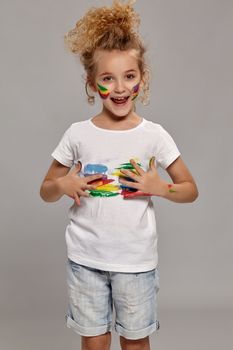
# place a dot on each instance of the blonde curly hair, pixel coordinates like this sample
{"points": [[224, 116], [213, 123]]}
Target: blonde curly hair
{"points": [[108, 28]]}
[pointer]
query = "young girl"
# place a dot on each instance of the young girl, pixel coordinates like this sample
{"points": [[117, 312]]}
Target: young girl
{"points": [[111, 236]]}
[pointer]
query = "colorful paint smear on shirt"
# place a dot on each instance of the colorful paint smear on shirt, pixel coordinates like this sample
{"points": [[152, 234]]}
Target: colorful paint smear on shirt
{"points": [[105, 186]]}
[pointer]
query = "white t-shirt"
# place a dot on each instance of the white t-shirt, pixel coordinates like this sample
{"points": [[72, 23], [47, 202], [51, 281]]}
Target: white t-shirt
{"points": [[107, 231]]}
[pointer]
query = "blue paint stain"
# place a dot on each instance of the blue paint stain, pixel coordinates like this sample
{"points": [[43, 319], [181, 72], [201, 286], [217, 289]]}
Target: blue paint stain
{"points": [[124, 187], [91, 169]]}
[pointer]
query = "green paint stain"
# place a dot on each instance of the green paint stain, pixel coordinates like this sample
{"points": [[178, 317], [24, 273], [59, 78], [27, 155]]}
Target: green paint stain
{"points": [[102, 88], [127, 166], [170, 189], [98, 193]]}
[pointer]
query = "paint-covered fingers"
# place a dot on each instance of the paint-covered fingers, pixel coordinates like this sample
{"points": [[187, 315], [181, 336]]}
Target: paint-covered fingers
{"points": [[91, 178], [139, 170], [129, 183], [128, 173], [135, 173], [91, 187], [152, 163]]}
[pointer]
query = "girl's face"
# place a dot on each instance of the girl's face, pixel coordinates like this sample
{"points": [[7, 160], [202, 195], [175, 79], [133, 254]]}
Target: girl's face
{"points": [[117, 80]]}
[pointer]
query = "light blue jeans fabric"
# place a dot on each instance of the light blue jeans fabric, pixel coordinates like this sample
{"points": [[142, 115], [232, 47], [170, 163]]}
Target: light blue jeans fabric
{"points": [[92, 294]]}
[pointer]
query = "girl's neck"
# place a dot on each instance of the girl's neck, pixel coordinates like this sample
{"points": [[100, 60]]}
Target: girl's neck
{"points": [[106, 120]]}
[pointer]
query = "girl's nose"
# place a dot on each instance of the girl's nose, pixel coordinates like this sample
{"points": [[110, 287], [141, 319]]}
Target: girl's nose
{"points": [[119, 87]]}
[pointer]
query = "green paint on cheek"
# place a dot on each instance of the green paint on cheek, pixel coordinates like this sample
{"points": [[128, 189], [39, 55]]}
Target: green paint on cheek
{"points": [[103, 91], [102, 88]]}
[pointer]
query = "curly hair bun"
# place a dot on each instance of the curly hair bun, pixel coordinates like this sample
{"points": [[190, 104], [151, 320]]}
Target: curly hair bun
{"points": [[120, 19]]}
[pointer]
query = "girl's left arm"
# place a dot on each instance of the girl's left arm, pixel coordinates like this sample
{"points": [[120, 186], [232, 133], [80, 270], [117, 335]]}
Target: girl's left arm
{"points": [[183, 189]]}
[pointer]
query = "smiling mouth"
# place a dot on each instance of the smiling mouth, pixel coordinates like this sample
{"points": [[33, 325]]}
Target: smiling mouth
{"points": [[120, 101]]}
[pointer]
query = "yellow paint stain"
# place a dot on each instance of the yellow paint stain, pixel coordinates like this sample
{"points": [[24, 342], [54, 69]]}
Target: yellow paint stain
{"points": [[108, 187], [118, 173]]}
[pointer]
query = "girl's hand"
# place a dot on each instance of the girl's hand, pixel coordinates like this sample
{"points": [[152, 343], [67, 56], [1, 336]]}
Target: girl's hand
{"points": [[75, 186], [147, 183]]}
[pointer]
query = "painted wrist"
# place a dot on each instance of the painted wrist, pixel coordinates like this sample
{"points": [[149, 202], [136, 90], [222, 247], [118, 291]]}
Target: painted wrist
{"points": [[165, 189], [171, 188]]}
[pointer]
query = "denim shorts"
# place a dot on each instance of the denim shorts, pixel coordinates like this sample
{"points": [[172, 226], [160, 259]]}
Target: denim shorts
{"points": [[92, 294]]}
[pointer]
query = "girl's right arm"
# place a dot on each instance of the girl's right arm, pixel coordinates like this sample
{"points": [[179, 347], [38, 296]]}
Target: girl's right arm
{"points": [[59, 181]]}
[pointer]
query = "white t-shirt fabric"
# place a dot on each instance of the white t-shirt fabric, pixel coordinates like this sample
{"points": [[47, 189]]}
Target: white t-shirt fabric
{"points": [[107, 231]]}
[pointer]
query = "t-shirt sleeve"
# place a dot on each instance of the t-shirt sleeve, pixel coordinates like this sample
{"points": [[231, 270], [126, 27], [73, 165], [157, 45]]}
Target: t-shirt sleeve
{"points": [[167, 150], [64, 152]]}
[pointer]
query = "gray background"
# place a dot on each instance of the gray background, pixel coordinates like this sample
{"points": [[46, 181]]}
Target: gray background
{"points": [[42, 93]]}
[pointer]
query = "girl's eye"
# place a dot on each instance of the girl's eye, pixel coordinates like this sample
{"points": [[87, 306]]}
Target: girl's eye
{"points": [[107, 78], [130, 76]]}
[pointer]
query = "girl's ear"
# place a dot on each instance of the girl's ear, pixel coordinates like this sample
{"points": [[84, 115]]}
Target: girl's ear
{"points": [[91, 84]]}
